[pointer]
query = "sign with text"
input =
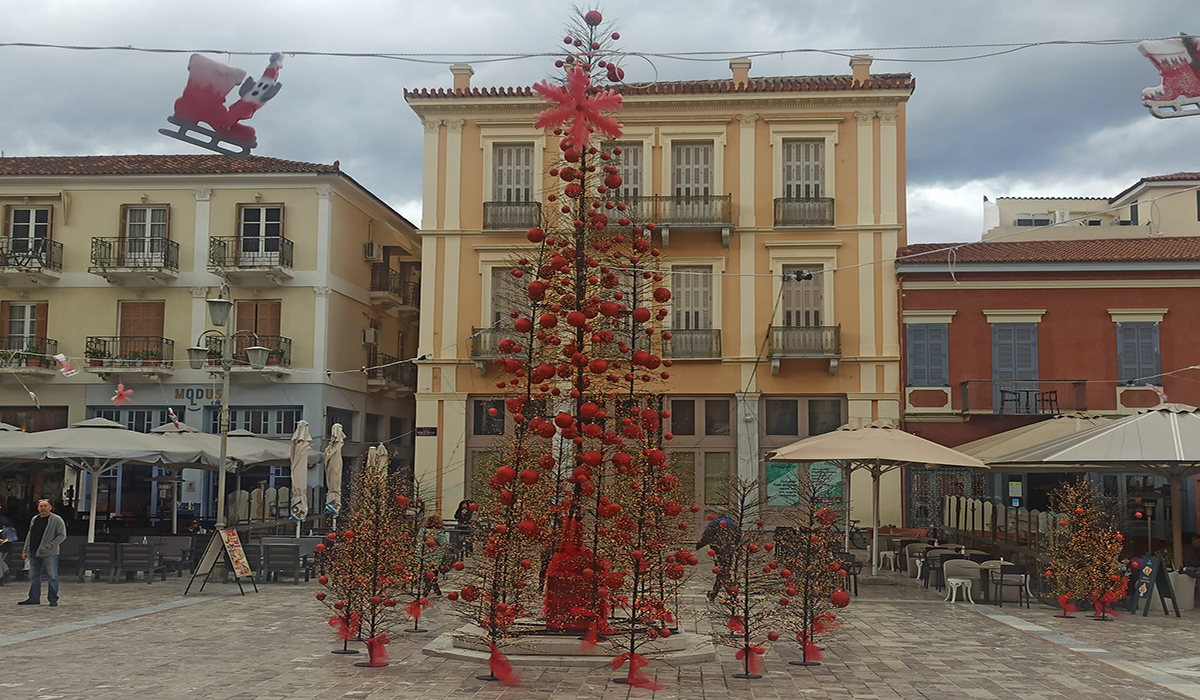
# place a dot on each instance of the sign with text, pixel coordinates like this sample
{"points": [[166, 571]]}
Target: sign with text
{"points": [[228, 542], [1153, 575], [426, 432]]}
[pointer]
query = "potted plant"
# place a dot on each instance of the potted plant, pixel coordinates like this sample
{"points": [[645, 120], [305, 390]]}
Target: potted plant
{"points": [[32, 357], [214, 356], [95, 356], [135, 358], [275, 357], [151, 358]]}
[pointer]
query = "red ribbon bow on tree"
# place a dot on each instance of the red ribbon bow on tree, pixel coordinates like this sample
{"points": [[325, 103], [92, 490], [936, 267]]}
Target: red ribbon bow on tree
{"points": [[582, 110], [500, 666], [415, 607], [346, 630], [1067, 608], [635, 677], [375, 648], [736, 625], [753, 662]]}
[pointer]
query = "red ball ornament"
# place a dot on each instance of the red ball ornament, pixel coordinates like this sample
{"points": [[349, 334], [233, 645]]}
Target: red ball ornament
{"points": [[1139, 515], [773, 636], [593, 18], [339, 605], [1078, 511], [523, 325], [401, 501], [1062, 523], [529, 476], [576, 319], [389, 603], [332, 536], [459, 566], [641, 314], [536, 235], [320, 595], [320, 547], [376, 600], [505, 474], [548, 320], [840, 598], [452, 596], [564, 420], [694, 508], [348, 534], [323, 580]]}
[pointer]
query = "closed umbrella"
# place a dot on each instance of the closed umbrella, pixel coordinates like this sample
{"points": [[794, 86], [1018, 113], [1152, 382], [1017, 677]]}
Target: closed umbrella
{"points": [[1163, 441], [333, 469], [878, 447], [301, 439]]}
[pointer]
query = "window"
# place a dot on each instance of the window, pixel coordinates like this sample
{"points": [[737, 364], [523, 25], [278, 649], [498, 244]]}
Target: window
{"points": [[693, 169], [683, 466], [803, 300], [717, 475], [371, 426], [260, 318], [783, 417], [260, 230], [1032, 220], [716, 417], [928, 354], [824, 416], [683, 417], [512, 177], [1138, 353], [1133, 214], [1092, 222], [1014, 366], [333, 415], [483, 422], [22, 323], [803, 168], [508, 294], [27, 228], [629, 167], [692, 297], [139, 420], [144, 222]]}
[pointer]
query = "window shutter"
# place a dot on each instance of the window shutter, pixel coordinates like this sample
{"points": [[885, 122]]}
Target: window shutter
{"points": [[693, 286], [803, 168], [937, 354], [630, 169], [49, 224], [6, 232], [918, 355], [123, 224], [1127, 351], [1026, 352], [692, 174], [40, 310], [4, 324], [512, 172]]}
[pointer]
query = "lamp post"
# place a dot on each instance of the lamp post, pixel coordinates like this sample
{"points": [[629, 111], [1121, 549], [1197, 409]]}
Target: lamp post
{"points": [[219, 313]]}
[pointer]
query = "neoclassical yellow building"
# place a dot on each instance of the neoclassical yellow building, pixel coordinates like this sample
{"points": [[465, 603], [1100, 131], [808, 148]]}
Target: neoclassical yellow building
{"points": [[751, 180]]}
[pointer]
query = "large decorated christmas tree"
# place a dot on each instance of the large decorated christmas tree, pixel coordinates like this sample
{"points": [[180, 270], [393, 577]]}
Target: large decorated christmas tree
{"points": [[1083, 550]]}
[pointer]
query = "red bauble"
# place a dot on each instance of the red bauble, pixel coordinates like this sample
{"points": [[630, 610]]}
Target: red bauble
{"points": [[323, 580], [641, 314], [529, 476], [598, 366], [576, 319], [536, 235], [320, 547], [505, 474], [1062, 523], [548, 321], [348, 534], [1139, 515], [528, 529], [473, 507], [694, 508], [339, 605], [593, 18], [564, 420], [452, 596], [401, 501], [320, 595], [332, 536], [1078, 511], [389, 603], [773, 636], [662, 295], [376, 600], [840, 598], [523, 325]]}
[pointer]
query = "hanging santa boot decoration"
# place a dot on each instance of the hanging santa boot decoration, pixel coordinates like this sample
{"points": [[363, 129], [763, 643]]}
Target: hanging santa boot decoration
{"points": [[1177, 59], [203, 100]]}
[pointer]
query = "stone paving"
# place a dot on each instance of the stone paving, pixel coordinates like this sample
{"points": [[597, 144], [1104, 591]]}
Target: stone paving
{"points": [[106, 642]]}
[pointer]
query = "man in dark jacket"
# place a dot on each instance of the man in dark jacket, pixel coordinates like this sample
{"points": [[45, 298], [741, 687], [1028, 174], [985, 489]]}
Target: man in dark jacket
{"points": [[723, 536], [46, 532]]}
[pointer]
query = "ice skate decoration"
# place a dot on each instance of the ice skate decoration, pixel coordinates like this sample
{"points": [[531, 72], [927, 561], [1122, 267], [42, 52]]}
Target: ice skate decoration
{"points": [[1178, 95], [203, 100]]}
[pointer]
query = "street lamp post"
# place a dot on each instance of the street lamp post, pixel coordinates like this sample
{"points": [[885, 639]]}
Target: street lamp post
{"points": [[219, 313]]}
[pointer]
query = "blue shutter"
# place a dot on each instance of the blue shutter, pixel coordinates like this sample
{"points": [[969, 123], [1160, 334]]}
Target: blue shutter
{"points": [[918, 355], [1138, 353], [1127, 352], [1026, 351]]}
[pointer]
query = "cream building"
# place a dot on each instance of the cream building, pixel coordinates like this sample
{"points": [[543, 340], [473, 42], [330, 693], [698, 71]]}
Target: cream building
{"points": [[108, 260], [749, 179]]}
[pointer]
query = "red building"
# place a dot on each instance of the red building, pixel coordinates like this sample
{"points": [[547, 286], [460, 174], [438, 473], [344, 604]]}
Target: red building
{"points": [[996, 335]]}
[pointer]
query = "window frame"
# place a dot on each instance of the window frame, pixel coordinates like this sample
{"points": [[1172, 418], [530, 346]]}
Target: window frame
{"points": [[242, 239], [1153, 368], [10, 224], [911, 343], [817, 184]]}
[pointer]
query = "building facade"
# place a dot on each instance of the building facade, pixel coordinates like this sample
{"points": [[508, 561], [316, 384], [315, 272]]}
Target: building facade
{"points": [[750, 180], [107, 260], [1006, 333]]}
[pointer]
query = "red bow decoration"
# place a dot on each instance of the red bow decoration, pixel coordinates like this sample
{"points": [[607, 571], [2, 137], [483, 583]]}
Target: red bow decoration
{"points": [[123, 395], [1104, 605], [592, 637], [736, 625], [415, 607], [346, 630], [635, 677], [1067, 608], [583, 111], [811, 652], [753, 662], [500, 666], [375, 648]]}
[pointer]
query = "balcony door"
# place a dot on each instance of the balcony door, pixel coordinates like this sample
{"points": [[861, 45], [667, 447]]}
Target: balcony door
{"points": [[512, 179], [692, 309], [803, 168], [259, 232], [141, 329], [22, 324], [260, 318], [692, 183], [803, 300], [1014, 368], [28, 229], [145, 234]]}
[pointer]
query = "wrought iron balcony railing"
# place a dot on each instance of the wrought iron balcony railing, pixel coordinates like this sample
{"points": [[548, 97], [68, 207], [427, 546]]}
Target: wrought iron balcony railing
{"points": [[280, 349], [388, 369], [384, 279], [808, 211], [31, 254], [689, 210], [129, 351], [694, 344], [806, 342], [234, 252], [27, 351], [486, 343], [1034, 397], [153, 253], [511, 216]]}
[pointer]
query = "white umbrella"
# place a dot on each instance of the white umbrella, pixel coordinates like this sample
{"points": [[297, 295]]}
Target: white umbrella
{"points": [[333, 468], [301, 439], [9, 428]]}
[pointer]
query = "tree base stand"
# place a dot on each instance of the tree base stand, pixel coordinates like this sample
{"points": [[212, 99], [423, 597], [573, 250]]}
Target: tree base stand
{"points": [[415, 630], [1064, 617], [488, 677], [748, 676], [621, 681], [344, 651], [368, 664], [804, 663]]}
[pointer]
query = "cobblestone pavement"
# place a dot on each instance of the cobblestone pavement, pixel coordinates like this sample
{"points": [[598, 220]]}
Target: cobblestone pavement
{"points": [[106, 642]]}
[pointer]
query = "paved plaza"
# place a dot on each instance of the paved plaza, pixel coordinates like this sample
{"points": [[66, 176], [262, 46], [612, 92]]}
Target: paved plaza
{"points": [[109, 642]]}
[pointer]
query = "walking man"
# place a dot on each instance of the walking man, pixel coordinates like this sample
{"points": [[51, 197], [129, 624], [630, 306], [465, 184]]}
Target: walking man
{"points": [[46, 532]]}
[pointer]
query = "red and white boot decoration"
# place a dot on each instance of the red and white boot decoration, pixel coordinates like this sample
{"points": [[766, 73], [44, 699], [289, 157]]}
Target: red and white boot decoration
{"points": [[203, 100], [1178, 95]]}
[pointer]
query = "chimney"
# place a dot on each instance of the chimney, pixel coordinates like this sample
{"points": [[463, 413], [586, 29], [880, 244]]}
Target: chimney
{"points": [[462, 76], [861, 65], [741, 70]]}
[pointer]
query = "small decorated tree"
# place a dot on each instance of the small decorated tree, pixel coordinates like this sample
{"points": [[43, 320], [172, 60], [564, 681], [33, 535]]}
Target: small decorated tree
{"points": [[1084, 550], [367, 564]]}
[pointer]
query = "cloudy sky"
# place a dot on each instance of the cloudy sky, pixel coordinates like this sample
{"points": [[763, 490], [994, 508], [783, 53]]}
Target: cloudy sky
{"points": [[1046, 121]]}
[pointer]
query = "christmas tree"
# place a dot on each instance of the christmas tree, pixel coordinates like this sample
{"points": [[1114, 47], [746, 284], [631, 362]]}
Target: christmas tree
{"points": [[1084, 550], [368, 562]]}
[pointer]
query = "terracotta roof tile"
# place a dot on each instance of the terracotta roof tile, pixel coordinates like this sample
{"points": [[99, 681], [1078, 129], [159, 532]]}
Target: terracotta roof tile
{"points": [[795, 83], [1172, 177], [154, 165], [1074, 251]]}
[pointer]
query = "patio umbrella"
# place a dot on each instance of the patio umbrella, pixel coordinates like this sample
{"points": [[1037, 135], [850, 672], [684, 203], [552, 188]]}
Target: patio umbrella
{"points": [[96, 446], [333, 469], [301, 439], [877, 447], [1162, 441], [993, 446], [9, 428]]}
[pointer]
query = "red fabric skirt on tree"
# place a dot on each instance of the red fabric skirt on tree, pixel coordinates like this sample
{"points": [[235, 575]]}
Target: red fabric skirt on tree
{"points": [[571, 603]]}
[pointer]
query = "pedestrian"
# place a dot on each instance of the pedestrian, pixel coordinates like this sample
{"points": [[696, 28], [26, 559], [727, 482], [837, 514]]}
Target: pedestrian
{"points": [[723, 536], [8, 535], [46, 532]]}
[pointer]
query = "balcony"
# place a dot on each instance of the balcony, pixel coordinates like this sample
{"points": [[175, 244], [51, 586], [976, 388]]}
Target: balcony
{"points": [[387, 374], [251, 261], [805, 343], [694, 344], [130, 354], [511, 216], [279, 360], [1022, 398], [390, 290], [30, 261], [28, 355], [485, 346], [709, 212], [808, 211], [135, 261]]}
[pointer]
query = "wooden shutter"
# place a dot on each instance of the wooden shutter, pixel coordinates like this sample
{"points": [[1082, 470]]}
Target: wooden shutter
{"points": [[40, 312], [1127, 351], [507, 293], [692, 297], [1014, 352], [1138, 352], [938, 356], [630, 169], [693, 164], [4, 325], [123, 223], [1148, 353], [803, 301], [141, 319], [512, 172], [918, 354], [803, 168]]}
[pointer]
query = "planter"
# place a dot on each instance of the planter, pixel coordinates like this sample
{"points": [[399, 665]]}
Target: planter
{"points": [[95, 362], [273, 359], [151, 363], [1185, 589], [33, 362]]}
